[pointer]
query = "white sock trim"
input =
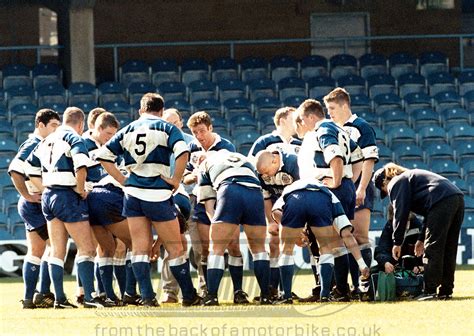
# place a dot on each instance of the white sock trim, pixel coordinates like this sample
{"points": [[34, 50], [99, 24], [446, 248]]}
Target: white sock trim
{"points": [[365, 246], [339, 251], [314, 260], [84, 258], [286, 260], [105, 262], [261, 256], [327, 258], [129, 255], [33, 260], [56, 261], [274, 263], [177, 261], [236, 261], [119, 261], [140, 258], [215, 262]]}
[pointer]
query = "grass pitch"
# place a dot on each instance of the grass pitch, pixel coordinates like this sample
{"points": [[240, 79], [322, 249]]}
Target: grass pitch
{"points": [[455, 317]]}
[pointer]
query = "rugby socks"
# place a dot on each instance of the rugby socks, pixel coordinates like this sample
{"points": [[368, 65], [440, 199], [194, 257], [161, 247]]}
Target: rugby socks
{"points": [[141, 269], [287, 264], [85, 269], [366, 251], [31, 270], [354, 270], [274, 273], [100, 286], [56, 269], [106, 269], [236, 270], [341, 269], [130, 279], [45, 279], [204, 267], [180, 268], [120, 273], [326, 267], [261, 268], [215, 271], [314, 267]]}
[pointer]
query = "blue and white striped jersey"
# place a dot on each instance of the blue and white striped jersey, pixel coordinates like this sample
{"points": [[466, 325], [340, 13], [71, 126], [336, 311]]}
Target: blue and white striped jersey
{"points": [[274, 141], [339, 217], [362, 133], [95, 171], [322, 145], [196, 150], [221, 168], [146, 146], [57, 158], [286, 175], [19, 163]]}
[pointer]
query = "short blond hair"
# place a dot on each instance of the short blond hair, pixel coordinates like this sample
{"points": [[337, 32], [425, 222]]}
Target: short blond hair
{"points": [[73, 116], [198, 118], [339, 96], [282, 113]]}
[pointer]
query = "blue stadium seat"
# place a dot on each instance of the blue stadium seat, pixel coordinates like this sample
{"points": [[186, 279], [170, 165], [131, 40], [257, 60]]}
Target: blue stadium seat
{"points": [[469, 205], [243, 122], [381, 84], [294, 101], [414, 164], [23, 128], [353, 84], [461, 184], [4, 164], [379, 134], [342, 65], [266, 105], [16, 75], [209, 105], [469, 100], [372, 64], [433, 61], [468, 220], [14, 220], [385, 153], [10, 199], [408, 152], [19, 95], [51, 93], [313, 66], [411, 82], [133, 71], [468, 171], [253, 68], [360, 103], [461, 133], [231, 88], [402, 63], [396, 135], [46, 73], [22, 112], [244, 140], [19, 232], [58, 107], [194, 69], [265, 121], [180, 104], [8, 147], [5, 180], [417, 100], [86, 107], [224, 68], [291, 86], [136, 90], [118, 107], [447, 99], [202, 89], [6, 130], [446, 168], [219, 124], [466, 81], [396, 117], [377, 222], [236, 106], [111, 91], [438, 152], [164, 70], [172, 90], [283, 66], [320, 86], [440, 81], [80, 92], [464, 152], [262, 87], [424, 117], [368, 116], [431, 135], [385, 102]]}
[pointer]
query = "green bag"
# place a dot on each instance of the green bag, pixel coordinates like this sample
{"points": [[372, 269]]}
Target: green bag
{"points": [[386, 289]]}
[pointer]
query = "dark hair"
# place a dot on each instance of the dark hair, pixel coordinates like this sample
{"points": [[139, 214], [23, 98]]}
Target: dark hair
{"points": [[151, 102], [45, 115], [339, 96], [312, 106]]}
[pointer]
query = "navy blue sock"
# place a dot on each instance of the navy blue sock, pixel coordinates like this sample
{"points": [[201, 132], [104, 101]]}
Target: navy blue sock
{"points": [[120, 274], [141, 269], [261, 268], [236, 270], [354, 270], [287, 264], [85, 268], [274, 273], [314, 268], [106, 269], [45, 279], [100, 286], [215, 271], [341, 272], [366, 252], [31, 270], [326, 268], [131, 281], [180, 269], [56, 270], [204, 268]]}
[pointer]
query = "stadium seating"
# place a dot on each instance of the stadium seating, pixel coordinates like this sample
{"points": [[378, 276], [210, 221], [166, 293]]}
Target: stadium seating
{"points": [[283, 66], [291, 86], [313, 66], [224, 69], [134, 71], [261, 87], [253, 68], [194, 69], [372, 64], [46, 73], [172, 90], [164, 70], [202, 89], [440, 81], [432, 61], [320, 86], [410, 83], [381, 84], [466, 82], [81, 92], [16, 75], [231, 88], [402, 63], [342, 65], [353, 84]]}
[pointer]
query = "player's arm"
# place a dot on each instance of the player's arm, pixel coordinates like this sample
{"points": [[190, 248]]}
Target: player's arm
{"points": [[81, 175], [337, 167], [272, 225], [19, 183], [353, 246], [366, 175], [180, 166], [210, 205], [112, 169]]}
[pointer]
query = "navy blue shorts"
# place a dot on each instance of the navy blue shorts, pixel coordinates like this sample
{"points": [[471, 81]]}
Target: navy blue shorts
{"points": [[238, 204], [65, 205], [184, 205], [154, 211], [306, 206], [105, 205], [346, 193], [200, 215], [369, 196], [31, 214]]}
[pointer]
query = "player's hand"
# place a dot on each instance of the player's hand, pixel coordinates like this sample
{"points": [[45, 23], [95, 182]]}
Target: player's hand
{"points": [[396, 252], [303, 239], [419, 248], [365, 273], [389, 267], [155, 250], [360, 197], [273, 229], [173, 182], [33, 198]]}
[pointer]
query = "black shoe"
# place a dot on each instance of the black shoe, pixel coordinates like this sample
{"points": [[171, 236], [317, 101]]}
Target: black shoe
{"points": [[28, 304], [80, 299], [325, 299], [43, 300], [196, 301], [426, 297], [283, 301], [294, 296], [266, 300], [65, 304], [445, 297], [113, 303], [340, 297], [131, 299], [96, 302], [240, 297], [314, 297], [210, 300], [149, 302]]}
